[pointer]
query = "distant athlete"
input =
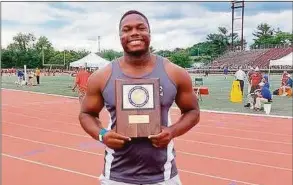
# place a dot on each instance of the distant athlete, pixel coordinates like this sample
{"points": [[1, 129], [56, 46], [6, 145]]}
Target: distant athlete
{"points": [[144, 160], [81, 81], [226, 71]]}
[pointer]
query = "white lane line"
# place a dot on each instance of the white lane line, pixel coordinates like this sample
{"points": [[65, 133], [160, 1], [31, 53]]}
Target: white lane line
{"points": [[235, 147], [203, 133], [179, 139], [182, 152], [49, 166]]}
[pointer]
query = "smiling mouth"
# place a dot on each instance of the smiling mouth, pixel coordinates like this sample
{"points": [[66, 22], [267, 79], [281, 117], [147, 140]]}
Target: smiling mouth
{"points": [[136, 42]]}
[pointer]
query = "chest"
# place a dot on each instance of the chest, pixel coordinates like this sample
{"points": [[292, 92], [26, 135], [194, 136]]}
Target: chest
{"points": [[166, 90]]}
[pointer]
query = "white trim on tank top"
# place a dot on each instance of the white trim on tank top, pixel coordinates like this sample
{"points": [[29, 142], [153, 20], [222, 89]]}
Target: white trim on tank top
{"points": [[170, 156]]}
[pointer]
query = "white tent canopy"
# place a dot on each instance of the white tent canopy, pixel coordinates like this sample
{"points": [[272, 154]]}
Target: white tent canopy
{"points": [[91, 60], [286, 60]]}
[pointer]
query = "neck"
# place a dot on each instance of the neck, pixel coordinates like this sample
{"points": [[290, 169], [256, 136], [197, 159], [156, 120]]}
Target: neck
{"points": [[141, 60]]}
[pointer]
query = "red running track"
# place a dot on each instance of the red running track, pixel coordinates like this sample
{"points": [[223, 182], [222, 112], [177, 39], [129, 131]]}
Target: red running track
{"points": [[42, 139]]}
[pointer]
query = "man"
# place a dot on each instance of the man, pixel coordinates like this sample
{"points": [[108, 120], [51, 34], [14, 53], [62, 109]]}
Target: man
{"points": [[226, 71], [81, 80], [286, 89], [149, 160], [20, 77], [284, 78], [38, 74], [256, 78], [240, 76], [249, 73], [263, 96]]}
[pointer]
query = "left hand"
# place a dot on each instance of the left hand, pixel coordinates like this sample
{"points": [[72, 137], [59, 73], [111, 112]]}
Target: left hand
{"points": [[162, 139]]}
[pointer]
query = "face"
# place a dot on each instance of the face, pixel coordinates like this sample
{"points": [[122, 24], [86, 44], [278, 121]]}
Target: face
{"points": [[135, 35]]}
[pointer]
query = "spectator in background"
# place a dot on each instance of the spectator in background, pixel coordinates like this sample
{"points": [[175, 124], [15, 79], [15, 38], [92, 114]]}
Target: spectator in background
{"points": [[20, 77], [256, 78], [286, 89], [81, 82], [226, 72], [284, 78], [240, 76], [38, 74], [249, 73], [265, 80], [263, 96]]}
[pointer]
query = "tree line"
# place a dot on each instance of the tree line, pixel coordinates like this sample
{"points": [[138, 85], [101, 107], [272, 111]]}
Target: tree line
{"points": [[26, 49]]}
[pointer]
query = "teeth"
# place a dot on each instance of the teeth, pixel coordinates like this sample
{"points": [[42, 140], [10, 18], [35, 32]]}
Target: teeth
{"points": [[135, 42]]}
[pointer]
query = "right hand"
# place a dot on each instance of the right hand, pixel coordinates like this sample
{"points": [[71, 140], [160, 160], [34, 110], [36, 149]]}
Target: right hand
{"points": [[115, 141]]}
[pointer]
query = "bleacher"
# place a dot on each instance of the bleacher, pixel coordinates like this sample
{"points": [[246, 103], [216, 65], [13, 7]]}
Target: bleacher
{"points": [[236, 58], [256, 57], [272, 54]]}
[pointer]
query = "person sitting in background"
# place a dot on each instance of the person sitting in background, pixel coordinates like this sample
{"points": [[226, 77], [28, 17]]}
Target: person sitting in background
{"points": [[263, 96], [265, 80], [286, 88], [284, 78]]}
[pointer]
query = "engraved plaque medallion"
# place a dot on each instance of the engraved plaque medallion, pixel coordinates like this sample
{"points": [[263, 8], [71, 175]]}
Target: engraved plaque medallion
{"points": [[138, 109]]}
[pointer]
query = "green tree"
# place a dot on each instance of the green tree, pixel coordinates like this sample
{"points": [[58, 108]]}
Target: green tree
{"points": [[110, 54], [263, 35], [181, 58]]}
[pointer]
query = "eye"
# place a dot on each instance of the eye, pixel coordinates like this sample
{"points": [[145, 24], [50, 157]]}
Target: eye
{"points": [[125, 29], [142, 28]]}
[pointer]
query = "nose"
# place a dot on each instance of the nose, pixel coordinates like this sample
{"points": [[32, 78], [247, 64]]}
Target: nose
{"points": [[133, 32]]}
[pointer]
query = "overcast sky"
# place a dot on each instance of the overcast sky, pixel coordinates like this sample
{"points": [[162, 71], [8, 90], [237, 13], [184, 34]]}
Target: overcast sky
{"points": [[77, 25]]}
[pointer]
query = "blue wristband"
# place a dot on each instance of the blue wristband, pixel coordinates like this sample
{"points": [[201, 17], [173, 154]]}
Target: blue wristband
{"points": [[102, 133]]}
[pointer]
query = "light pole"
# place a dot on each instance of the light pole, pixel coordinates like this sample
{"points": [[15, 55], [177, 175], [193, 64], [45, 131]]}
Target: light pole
{"points": [[99, 42]]}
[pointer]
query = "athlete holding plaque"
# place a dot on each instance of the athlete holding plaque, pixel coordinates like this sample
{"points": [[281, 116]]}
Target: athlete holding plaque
{"points": [[143, 160]]}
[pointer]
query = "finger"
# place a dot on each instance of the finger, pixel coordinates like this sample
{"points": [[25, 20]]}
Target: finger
{"points": [[155, 145], [157, 136], [116, 142], [121, 137]]}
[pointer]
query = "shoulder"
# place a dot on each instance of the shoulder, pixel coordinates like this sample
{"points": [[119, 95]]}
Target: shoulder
{"points": [[176, 73], [98, 79]]}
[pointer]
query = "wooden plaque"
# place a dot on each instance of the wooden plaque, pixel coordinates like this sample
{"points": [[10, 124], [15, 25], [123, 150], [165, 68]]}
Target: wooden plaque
{"points": [[138, 109]]}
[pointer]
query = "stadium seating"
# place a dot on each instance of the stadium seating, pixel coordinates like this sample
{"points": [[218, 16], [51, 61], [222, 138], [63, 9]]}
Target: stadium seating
{"points": [[272, 54], [235, 58], [256, 57]]}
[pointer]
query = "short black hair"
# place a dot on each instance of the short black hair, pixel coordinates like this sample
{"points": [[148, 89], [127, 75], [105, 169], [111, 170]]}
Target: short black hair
{"points": [[134, 12]]}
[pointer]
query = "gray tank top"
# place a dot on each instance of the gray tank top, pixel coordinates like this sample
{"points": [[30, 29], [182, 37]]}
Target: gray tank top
{"points": [[139, 162]]}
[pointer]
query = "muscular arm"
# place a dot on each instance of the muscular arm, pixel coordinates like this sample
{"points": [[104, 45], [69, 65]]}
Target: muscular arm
{"points": [[187, 102], [91, 106]]}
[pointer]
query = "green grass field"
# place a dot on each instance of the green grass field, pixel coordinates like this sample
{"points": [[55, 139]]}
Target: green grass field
{"points": [[218, 98]]}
